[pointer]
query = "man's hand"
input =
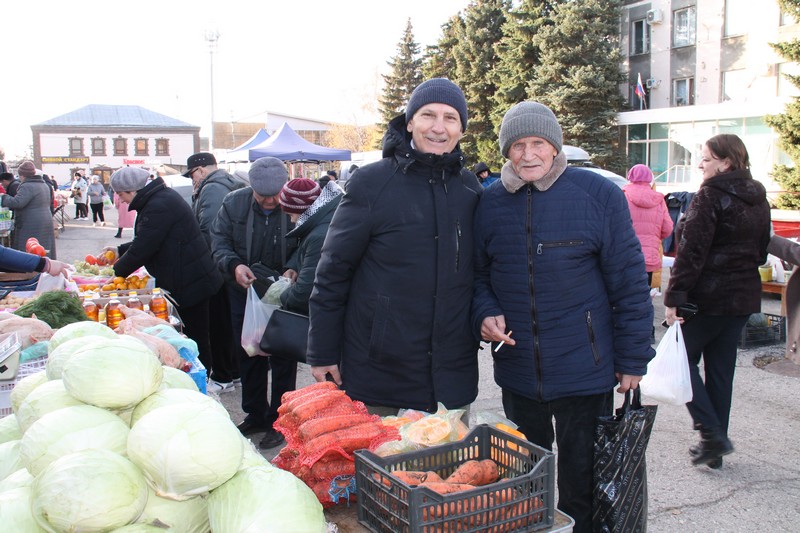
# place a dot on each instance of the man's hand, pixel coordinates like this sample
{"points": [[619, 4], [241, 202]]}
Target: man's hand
{"points": [[320, 373], [244, 276], [54, 268], [291, 274], [627, 382], [493, 329]]}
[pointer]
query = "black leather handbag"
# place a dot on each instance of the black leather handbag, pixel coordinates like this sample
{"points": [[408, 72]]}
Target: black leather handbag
{"points": [[286, 335]]}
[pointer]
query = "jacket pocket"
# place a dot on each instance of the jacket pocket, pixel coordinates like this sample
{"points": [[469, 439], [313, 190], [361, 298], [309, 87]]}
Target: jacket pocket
{"points": [[542, 246], [380, 323], [592, 340], [458, 245]]}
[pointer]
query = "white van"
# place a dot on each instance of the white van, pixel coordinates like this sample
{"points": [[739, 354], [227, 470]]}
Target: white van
{"points": [[578, 157]]}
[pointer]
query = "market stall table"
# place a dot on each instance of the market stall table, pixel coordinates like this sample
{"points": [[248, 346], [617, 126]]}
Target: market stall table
{"points": [[776, 287]]}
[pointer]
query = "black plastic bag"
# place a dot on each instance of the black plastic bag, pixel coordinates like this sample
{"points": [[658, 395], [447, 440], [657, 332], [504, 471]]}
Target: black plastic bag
{"points": [[619, 502]]}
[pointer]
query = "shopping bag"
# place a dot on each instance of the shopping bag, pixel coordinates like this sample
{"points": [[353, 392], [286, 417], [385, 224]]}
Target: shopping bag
{"points": [[619, 500], [667, 379], [256, 317], [286, 336]]}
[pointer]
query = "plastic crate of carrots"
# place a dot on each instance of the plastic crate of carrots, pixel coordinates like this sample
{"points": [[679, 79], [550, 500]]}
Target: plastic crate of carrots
{"points": [[490, 481]]}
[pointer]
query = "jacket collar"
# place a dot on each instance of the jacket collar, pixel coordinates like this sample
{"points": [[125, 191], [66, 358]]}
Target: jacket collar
{"points": [[397, 144], [144, 194], [512, 182]]}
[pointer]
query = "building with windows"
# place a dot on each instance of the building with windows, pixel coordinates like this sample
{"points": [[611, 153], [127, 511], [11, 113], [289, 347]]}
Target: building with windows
{"points": [[99, 139], [706, 67]]}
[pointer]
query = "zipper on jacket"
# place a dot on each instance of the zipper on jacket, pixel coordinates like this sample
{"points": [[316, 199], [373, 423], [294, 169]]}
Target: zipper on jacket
{"points": [[458, 244], [556, 244], [592, 342], [537, 355]]}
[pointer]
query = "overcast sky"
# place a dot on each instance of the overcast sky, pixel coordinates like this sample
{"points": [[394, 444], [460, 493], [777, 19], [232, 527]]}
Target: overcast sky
{"points": [[312, 58]]}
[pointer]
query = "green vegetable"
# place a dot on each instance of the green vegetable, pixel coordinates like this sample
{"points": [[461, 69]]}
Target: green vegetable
{"points": [[112, 373], [265, 495], [186, 449], [166, 397], [177, 379], [24, 387], [15, 511], [45, 398], [189, 516], [62, 351], [10, 460], [57, 308], [91, 490], [78, 330], [20, 478], [70, 430], [9, 429]]}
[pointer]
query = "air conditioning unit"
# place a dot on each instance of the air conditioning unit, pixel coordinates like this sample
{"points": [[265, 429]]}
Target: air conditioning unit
{"points": [[651, 83], [655, 16]]}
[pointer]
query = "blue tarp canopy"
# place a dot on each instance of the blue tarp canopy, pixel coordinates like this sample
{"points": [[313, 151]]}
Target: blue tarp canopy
{"points": [[286, 145], [242, 152]]}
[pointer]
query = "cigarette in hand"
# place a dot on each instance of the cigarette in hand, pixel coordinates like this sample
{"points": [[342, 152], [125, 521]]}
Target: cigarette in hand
{"points": [[502, 343]]}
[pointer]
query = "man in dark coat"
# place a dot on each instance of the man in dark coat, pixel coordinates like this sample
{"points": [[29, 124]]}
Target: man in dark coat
{"points": [[560, 280], [168, 243], [248, 239], [211, 185], [390, 307]]}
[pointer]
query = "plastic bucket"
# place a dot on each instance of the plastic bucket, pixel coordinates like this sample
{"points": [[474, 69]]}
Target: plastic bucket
{"points": [[765, 272]]}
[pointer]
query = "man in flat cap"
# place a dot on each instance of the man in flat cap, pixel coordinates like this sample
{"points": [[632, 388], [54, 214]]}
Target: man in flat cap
{"points": [[211, 185], [390, 305], [249, 243]]}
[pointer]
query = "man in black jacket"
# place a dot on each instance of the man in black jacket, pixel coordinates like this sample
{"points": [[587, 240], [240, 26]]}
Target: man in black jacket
{"points": [[249, 244], [390, 307]]}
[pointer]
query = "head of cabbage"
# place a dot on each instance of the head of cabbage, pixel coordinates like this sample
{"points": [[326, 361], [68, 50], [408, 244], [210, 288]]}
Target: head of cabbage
{"points": [[91, 490], [78, 330], [47, 397], [112, 373]]}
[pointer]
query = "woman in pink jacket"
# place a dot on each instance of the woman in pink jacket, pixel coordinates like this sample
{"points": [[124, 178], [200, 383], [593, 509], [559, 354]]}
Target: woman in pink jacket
{"points": [[651, 220], [125, 218]]}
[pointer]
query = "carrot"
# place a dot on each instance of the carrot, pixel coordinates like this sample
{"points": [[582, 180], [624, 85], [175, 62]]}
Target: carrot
{"points": [[305, 391], [349, 439], [475, 473], [332, 468], [446, 487], [319, 426], [412, 477], [309, 408]]}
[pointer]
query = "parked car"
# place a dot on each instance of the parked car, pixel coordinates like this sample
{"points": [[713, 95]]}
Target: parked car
{"points": [[578, 157]]}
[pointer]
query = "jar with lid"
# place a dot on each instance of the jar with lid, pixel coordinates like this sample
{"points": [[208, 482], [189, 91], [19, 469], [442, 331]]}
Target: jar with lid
{"points": [[90, 308], [133, 301], [158, 305], [113, 313]]}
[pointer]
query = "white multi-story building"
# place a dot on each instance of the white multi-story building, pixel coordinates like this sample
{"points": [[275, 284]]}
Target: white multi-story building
{"points": [[707, 67], [99, 139]]}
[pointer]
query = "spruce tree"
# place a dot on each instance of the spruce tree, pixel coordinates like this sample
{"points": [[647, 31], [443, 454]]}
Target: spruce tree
{"points": [[405, 75], [578, 76], [475, 58], [439, 61], [787, 124]]}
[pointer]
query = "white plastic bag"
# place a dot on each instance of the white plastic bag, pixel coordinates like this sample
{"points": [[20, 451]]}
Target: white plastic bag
{"points": [[667, 379], [256, 316]]}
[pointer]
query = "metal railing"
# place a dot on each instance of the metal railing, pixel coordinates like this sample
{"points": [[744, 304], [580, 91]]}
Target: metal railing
{"points": [[675, 175]]}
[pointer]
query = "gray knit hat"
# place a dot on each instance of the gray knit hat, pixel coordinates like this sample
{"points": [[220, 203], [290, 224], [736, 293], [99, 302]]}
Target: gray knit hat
{"points": [[438, 91], [267, 176], [26, 169], [129, 179], [529, 119]]}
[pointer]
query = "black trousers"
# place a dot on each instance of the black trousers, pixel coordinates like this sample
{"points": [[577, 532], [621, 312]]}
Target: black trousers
{"points": [[223, 367], [97, 212], [575, 420], [195, 326], [254, 371], [714, 339]]}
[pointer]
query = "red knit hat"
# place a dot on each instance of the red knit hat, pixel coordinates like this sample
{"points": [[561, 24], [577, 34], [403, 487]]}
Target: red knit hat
{"points": [[298, 195]]}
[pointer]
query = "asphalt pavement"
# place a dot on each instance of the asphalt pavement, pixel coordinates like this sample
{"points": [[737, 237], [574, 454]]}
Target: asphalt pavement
{"points": [[758, 487]]}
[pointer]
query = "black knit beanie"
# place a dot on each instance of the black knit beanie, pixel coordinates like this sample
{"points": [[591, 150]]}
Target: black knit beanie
{"points": [[438, 91]]}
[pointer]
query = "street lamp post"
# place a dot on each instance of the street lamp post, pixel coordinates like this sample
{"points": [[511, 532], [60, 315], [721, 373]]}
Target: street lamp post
{"points": [[212, 37]]}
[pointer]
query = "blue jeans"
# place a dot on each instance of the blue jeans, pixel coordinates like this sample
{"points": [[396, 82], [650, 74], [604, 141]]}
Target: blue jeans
{"points": [[714, 338], [575, 421]]}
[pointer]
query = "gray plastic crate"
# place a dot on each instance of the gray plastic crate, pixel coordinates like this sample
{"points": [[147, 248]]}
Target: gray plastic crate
{"points": [[522, 500]]}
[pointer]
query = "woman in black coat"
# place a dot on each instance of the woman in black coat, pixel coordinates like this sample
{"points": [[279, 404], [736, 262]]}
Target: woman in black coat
{"points": [[168, 243]]}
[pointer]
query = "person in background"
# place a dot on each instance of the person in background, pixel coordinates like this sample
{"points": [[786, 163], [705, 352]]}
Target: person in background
{"points": [[125, 216], [721, 241], [16, 261], [484, 175], [789, 251], [168, 243], [32, 210], [558, 266], [211, 185], [79, 193], [651, 220], [389, 312], [9, 183], [310, 210], [249, 242], [97, 193]]}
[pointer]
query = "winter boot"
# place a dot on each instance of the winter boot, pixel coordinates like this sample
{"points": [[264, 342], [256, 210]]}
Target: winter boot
{"points": [[713, 445]]}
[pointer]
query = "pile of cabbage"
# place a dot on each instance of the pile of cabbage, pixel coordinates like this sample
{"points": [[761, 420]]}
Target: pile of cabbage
{"points": [[105, 438]]}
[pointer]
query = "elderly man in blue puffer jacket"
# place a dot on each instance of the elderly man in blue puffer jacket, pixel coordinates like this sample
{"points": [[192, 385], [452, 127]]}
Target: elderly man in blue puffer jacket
{"points": [[560, 277]]}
